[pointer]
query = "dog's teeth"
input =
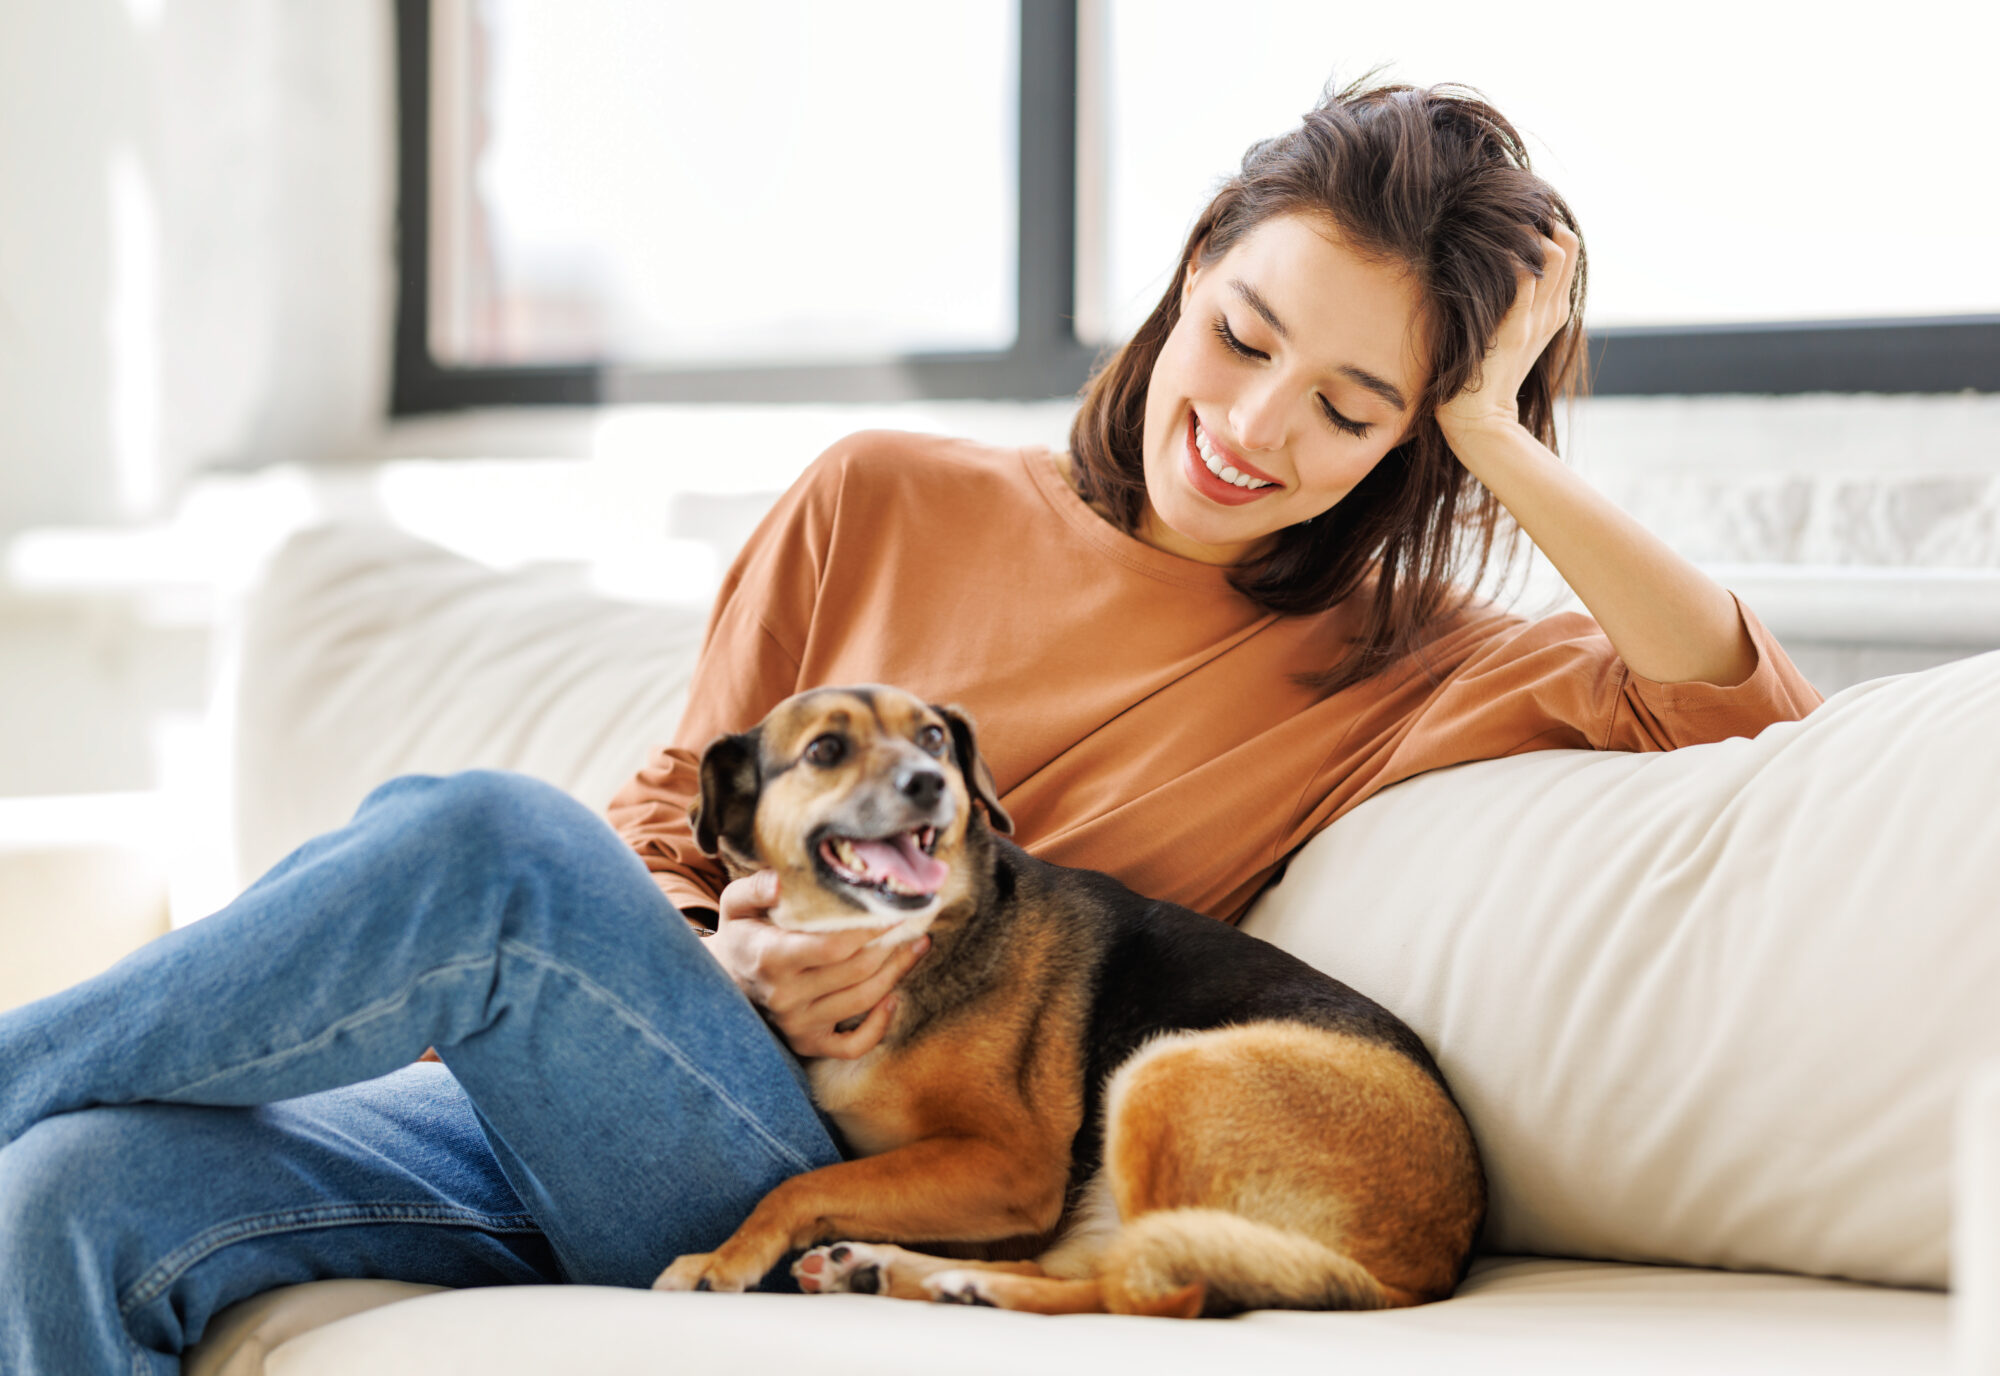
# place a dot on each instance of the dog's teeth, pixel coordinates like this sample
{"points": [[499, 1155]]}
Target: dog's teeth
{"points": [[843, 852]]}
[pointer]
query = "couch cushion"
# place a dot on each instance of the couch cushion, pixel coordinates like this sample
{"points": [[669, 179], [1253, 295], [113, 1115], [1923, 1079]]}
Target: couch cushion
{"points": [[245, 1334], [1711, 1006], [1513, 1315], [367, 653]]}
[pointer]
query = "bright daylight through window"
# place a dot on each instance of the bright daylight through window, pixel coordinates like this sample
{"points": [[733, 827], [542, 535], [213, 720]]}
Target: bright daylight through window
{"points": [[1728, 161], [686, 185], [665, 188]]}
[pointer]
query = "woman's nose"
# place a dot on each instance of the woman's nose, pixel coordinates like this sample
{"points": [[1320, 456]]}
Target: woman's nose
{"points": [[1259, 419]]}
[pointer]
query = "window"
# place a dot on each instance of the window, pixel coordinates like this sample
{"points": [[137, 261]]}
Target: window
{"points": [[907, 209], [894, 219], [1731, 165], [662, 185]]}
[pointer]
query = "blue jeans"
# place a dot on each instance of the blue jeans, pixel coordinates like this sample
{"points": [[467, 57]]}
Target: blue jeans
{"points": [[234, 1106]]}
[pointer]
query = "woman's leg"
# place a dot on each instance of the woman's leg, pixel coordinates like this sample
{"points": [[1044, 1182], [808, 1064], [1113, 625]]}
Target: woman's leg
{"points": [[632, 1098], [124, 1230]]}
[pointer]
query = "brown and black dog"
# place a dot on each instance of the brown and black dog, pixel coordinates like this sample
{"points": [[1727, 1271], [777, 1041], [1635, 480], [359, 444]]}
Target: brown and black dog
{"points": [[1170, 1115]]}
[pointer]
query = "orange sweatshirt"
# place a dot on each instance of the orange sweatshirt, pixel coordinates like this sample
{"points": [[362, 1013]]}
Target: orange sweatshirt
{"points": [[1138, 713]]}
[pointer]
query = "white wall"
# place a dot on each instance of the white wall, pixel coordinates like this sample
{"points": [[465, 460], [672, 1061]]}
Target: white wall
{"points": [[195, 245]]}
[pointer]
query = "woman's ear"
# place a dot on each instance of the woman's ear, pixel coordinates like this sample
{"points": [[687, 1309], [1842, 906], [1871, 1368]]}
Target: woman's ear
{"points": [[978, 778], [1194, 271]]}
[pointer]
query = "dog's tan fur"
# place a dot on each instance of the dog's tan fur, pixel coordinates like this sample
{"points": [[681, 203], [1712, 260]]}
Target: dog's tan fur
{"points": [[1270, 1164]]}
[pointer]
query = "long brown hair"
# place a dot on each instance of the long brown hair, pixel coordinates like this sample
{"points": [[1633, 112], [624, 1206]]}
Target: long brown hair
{"points": [[1435, 181]]}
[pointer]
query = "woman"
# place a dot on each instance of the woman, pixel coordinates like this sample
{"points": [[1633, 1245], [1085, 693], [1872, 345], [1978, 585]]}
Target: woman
{"points": [[1224, 618], [1235, 609]]}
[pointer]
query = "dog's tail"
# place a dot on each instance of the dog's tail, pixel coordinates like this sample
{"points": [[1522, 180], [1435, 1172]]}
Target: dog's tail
{"points": [[1184, 1263]]}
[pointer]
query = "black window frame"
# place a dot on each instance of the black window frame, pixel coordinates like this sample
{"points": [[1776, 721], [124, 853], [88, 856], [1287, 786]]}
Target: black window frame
{"points": [[1905, 355]]}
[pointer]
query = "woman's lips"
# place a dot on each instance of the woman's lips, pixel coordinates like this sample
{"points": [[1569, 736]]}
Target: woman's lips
{"points": [[1212, 487]]}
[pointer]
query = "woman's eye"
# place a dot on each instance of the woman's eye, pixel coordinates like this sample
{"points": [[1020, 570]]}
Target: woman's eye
{"points": [[1356, 428], [826, 750], [1228, 336], [931, 739]]}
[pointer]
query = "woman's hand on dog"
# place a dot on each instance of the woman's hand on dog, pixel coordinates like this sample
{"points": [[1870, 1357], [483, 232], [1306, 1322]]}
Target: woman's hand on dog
{"points": [[809, 983]]}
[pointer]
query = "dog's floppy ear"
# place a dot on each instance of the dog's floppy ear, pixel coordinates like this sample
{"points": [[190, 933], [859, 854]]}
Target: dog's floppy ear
{"points": [[978, 778], [727, 808]]}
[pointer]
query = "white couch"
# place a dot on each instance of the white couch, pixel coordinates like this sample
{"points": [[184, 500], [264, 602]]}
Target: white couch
{"points": [[1717, 1017]]}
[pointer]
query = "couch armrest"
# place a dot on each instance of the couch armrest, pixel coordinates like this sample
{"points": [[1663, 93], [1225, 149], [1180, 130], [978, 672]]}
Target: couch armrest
{"points": [[1975, 1227]]}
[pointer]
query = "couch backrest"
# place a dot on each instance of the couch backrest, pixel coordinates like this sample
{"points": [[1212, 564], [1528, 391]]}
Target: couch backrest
{"points": [[366, 653], [1713, 1006]]}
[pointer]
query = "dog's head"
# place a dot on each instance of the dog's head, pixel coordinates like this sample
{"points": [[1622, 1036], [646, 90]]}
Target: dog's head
{"points": [[860, 798]]}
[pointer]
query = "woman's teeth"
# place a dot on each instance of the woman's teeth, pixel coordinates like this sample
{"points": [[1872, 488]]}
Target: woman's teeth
{"points": [[1220, 469]]}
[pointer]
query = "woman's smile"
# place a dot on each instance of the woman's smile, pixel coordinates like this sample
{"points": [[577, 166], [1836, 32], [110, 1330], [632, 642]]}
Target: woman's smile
{"points": [[1220, 474]]}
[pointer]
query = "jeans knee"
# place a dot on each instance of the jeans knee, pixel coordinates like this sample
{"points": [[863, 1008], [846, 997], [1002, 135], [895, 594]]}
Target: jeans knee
{"points": [[484, 835], [482, 816], [59, 1181]]}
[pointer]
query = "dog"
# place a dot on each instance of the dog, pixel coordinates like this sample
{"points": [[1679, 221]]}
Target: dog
{"points": [[1168, 1115]]}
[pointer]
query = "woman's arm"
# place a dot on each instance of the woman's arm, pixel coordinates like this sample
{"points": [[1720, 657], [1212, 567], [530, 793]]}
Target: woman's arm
{"points": [[1669, 621], [809, 985]]}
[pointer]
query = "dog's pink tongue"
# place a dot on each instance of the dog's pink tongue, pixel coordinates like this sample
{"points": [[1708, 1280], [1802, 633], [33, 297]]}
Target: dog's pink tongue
{"points": [[900, 857]]}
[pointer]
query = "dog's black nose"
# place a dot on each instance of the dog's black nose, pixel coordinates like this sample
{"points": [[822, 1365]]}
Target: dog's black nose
{"points": [[922, 786]]}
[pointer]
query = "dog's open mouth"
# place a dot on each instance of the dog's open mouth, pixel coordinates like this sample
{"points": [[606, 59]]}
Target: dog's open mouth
{"points": [[901, 867]]}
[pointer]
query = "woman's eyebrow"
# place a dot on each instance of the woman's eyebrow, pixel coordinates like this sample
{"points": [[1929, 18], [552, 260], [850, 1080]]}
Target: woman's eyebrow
{"points": [[1381, 387], [1257, 303]]}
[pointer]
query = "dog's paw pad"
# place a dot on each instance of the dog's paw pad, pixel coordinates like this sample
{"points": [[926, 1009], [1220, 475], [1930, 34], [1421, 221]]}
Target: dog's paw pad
{"points": [[843, 1268], [959, 1287]]}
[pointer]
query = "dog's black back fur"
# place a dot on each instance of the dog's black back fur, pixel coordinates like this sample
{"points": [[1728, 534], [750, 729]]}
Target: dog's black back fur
{"points": [[1149, 966]]}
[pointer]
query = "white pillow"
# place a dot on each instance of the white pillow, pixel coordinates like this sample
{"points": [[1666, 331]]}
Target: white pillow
{"points": [[368, 653], [1711, 1006]]}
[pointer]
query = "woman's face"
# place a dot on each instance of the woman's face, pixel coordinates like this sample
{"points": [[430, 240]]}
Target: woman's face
{"points": [[1295, 364]]}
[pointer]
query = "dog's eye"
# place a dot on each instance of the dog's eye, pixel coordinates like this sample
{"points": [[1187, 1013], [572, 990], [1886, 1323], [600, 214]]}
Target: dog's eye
{"points": [[826, 751], [931, 738]]}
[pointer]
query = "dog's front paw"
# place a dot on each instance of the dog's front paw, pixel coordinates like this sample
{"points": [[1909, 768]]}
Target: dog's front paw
{"points": [[695, 1271], [960, 1287], [843, 1268]]}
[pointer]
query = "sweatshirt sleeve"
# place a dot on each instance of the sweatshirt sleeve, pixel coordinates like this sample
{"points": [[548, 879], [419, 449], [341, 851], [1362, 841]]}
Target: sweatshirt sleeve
{"points": [[749, 663], [1502, 685], [1559, 682]]}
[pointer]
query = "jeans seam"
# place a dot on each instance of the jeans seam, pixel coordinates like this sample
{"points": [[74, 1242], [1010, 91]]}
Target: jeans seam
{"points": [[591, 989], [355, 1019], [170, 1268]]}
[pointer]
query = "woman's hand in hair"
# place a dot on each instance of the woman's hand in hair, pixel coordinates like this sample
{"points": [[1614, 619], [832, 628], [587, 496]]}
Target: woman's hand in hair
{"points": [[1669, 621], [1539, 312], [827, 994]]}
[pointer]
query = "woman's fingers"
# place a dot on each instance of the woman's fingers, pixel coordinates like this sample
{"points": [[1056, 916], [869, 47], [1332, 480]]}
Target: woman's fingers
{"points": [[816, 981], [1538, 313], [752, 896], [765, 961], [1541, 301], [809, 983], [851, 1000], [850, 1021], [863, 1039], [809, 964], [1557, 276]]}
